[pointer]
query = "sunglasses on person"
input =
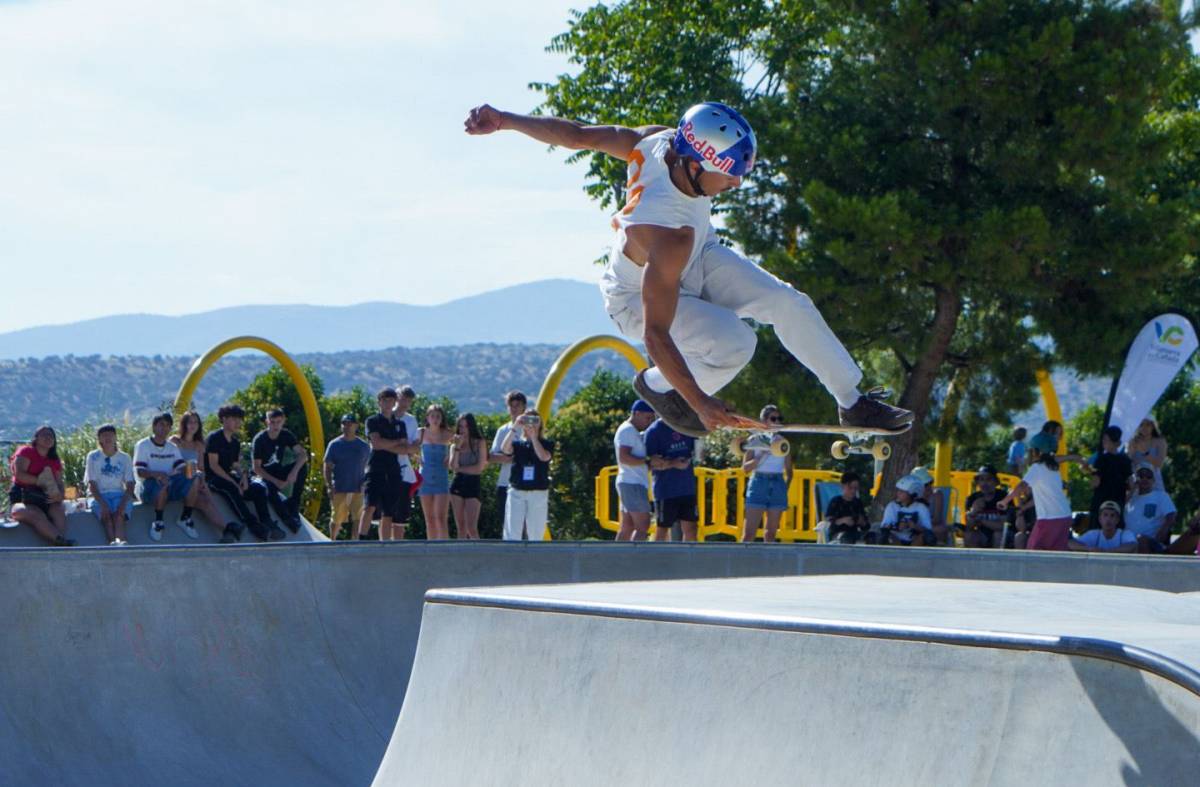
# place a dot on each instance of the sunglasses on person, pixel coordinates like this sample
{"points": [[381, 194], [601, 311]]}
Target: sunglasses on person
{"points": [[774, 419], [1145, 474]]}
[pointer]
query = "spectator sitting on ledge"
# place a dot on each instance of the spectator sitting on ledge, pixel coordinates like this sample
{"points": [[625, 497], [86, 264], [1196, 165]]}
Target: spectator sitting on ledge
{"points": [[906, 519], [846, 515], [37, 490], [935, 501], [1150, 513], [985, 522], [1107, 537]]}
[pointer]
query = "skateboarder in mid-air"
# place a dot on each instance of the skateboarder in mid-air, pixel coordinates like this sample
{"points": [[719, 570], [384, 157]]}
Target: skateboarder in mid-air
{"points": [[671, 284]]}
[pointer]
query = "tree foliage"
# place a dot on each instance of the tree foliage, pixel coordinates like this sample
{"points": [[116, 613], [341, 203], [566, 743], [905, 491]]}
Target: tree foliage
{"points": [[949, 181]]}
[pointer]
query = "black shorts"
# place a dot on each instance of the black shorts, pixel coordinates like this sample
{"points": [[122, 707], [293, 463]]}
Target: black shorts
{"points": [[465, 485], [674, 510], [30, 497], [383, 491]]}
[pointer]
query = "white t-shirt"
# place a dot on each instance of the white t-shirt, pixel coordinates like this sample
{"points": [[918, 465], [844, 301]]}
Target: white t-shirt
{"points": [[410, 434], [1049, 498], [628, 435], [497, 441], [1095, 538], [111, 473], [770, 463], [651, 198], [165, 458], [915, 513], [1144, 514]]}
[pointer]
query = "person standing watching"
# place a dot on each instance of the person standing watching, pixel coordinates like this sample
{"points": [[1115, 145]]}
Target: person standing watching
{"points": [[345, 469], [108, 474], [434, 440], [527, 507], [281, 464], [516, 402], [767, 490], [1016, 452], [671, 455], [1111, 470], [405, 396], [385, 485], [468, 457], [633, 474]]}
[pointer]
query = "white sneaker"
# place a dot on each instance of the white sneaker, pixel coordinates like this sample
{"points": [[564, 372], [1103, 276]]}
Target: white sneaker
{"points": [[116, 542], [156, 530], [186, 526], [120, 542]]}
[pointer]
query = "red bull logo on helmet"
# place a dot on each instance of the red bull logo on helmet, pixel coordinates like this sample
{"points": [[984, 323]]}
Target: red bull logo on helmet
{"points": [[707, 151]]}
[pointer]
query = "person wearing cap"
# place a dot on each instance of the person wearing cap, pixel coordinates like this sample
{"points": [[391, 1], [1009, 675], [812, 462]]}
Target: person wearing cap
{"points": [[1052, 529], [985, 522], [906, 519], [767, 490], [345, 470], [935, 500], [1111, 470], [1107, 537], [1150, 513], [633, 473], [671, 455]]}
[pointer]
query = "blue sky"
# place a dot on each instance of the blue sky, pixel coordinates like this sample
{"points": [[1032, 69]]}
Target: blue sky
{"points": [[177, 157]]}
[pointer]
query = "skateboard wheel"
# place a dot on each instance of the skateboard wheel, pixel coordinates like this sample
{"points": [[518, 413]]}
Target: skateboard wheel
{"points": [[781, 448], [840, 449], [881, 451]]}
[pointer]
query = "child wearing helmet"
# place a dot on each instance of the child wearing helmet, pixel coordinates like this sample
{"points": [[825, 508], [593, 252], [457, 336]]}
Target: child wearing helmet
{"points": [[906, 519], [1052, 529], [671, 284]]}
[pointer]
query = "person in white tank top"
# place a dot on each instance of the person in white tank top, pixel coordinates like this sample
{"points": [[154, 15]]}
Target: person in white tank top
{"points": [[671, 284]]}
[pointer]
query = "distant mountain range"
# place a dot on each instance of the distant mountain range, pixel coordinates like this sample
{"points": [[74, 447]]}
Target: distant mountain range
{"points": [[67, 391], [553, 311]]}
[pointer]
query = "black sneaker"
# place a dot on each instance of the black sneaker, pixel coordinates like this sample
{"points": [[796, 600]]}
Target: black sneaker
{"points": [[60, 541], [671, 407], [231, 535], [293, 524], [276, 533], [870, 412], [258, 529]]}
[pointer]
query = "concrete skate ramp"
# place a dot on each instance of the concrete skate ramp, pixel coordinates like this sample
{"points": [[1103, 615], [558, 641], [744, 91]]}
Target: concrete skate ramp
{"points": [[812, 680], [87, 531], [288, 663]]}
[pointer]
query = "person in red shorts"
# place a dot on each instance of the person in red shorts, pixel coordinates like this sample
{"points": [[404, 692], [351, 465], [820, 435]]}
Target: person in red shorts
{"points": [[1052, 530]]}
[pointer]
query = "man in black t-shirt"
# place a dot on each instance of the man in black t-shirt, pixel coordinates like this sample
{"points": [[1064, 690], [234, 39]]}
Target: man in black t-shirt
{"points": [[985, 522], [281, 464], [384, 490], [1111, 471], [222, 471], [846, 515]]}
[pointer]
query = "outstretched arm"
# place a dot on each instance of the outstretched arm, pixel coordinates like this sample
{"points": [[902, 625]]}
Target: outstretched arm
{"points": [[667, 253], [616, 141]]}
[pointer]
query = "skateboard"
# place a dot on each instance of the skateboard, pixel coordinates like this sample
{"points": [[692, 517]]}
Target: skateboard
{"points": [[856, 442]]}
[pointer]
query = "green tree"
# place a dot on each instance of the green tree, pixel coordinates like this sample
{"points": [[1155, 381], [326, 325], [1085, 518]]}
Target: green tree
{"points": [[948, 181], [583, 429]]}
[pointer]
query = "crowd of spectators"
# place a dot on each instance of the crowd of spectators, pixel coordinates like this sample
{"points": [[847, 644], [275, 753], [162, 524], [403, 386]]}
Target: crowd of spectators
{"points": [[373, 477], [1130, 510]]}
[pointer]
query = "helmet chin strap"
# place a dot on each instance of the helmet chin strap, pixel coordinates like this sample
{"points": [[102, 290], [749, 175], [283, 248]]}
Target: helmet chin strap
{"points": [[693, 180]]}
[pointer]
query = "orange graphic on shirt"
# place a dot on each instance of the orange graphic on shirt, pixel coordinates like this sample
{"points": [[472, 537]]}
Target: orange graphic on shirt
{"points": [[636, 161]]}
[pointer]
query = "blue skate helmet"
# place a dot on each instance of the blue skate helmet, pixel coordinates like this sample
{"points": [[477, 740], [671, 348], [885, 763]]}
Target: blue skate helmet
{"points": [[718, 137]]}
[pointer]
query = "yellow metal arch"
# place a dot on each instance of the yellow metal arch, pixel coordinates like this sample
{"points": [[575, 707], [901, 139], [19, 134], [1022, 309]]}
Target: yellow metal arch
{"points": [[554, 378], [568, 358], [312, 413]]}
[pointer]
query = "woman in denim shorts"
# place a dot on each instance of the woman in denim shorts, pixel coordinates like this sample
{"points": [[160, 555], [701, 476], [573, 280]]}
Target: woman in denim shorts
{"points": [[767, 491]]}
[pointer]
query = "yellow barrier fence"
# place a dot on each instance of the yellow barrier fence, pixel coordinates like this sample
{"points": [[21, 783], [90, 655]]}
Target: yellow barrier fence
{"points": [[720, 500], [721, 496]]}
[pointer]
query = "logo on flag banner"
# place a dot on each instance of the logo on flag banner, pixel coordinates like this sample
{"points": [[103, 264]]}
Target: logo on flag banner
{"points": [[1160, 351]]}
